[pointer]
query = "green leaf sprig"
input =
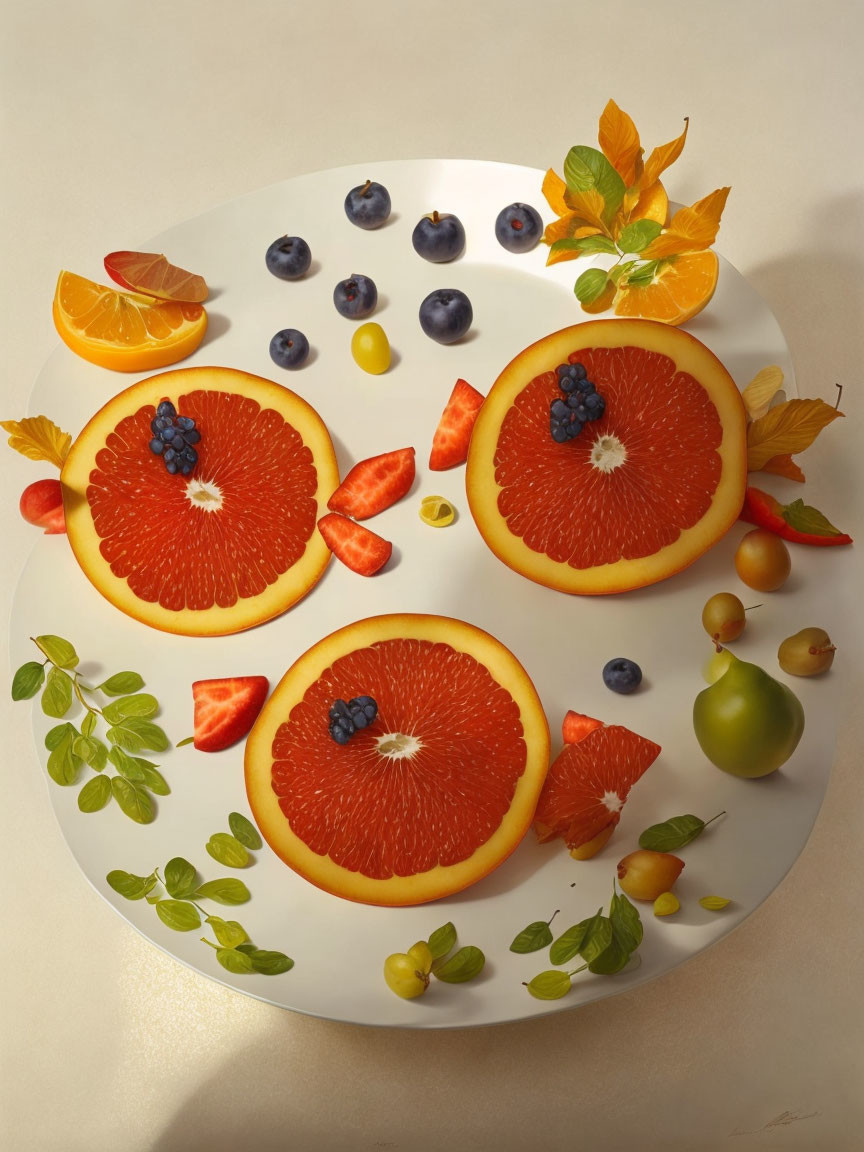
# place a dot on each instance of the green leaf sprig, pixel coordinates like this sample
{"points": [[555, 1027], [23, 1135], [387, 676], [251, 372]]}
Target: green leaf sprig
{"points": [[459, 968], [605, 944], [130, 731], [536, 936], [179, 910], [675, 833], [233, 848]]}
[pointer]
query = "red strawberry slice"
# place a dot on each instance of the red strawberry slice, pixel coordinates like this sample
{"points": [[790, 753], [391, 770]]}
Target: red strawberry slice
{"points": [[358, 548], [225, 710], [374, 484], [450, 444], [589, 782]]}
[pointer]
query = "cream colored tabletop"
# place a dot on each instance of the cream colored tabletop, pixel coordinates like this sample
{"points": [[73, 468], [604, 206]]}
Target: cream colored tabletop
{"points": [[120, 119]]}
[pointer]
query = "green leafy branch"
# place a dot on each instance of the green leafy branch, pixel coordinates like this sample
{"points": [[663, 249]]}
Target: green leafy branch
{"points": [[605, 943], [462, 966], [178, 909], [130, 730]]}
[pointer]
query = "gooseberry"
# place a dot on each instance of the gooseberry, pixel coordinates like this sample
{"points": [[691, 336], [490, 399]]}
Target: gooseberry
{"points": [[762, 560]]}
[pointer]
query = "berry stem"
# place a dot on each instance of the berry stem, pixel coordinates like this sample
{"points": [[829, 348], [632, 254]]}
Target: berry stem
{"points": [[839, 388], [364, 191]]}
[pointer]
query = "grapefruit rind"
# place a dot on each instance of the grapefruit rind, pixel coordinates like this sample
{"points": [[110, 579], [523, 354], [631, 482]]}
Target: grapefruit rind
{"points": [[436, 882], [247, 612], [690, 356]]}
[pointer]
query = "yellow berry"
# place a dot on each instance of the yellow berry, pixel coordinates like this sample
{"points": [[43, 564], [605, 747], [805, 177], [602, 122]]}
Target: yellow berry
{"points": [[714, 903], [404, 974], [371, 348], [437, 511], [667, 904]]}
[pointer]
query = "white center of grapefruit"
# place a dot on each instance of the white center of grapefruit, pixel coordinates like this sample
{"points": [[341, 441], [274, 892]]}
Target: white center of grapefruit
{"points": [[204, 494], [398, 746], [613, 801], [608, 453]]}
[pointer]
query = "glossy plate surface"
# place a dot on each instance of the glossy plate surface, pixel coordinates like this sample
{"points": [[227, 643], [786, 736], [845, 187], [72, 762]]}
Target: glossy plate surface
{"points": [[563, 641]]}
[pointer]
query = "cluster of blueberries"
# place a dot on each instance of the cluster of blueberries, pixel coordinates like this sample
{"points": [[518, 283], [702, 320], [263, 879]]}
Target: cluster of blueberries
{"points": [[173, 437], [582, 402], [346, 719]]}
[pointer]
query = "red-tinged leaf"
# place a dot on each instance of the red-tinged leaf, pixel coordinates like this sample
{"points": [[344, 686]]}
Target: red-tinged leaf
{"points": [[453, 434], [151, 274], [359, 549], [797, 522], [226, 709], [374, 484], [784, 466]]}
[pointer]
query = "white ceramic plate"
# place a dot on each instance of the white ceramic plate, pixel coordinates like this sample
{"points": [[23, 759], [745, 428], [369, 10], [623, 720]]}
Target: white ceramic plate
{"points": [[563, 641]]}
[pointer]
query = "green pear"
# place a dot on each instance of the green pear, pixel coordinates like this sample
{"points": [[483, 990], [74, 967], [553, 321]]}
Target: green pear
{"points": [[747, 723]]}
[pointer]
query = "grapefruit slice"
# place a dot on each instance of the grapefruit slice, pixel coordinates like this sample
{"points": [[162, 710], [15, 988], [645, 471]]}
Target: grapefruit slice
{"points": [[219, 551], [429, 798], [589, 783], [640, 493]]}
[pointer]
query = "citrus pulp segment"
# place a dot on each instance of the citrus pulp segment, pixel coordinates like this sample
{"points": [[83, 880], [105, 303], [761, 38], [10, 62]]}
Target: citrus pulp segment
{"points": [[640, 493], [682, 286], [122, 330], [429, 798], [224, 549]]}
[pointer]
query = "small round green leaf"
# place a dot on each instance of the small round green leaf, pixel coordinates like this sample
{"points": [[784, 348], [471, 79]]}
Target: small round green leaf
{"points": [[228, 932], [134, 800], [121, 683], [442, 940], [626, 923], [130, 886], [181, 879], [224, 891], [638, 235], [245, 831], [63, 764], [57, 696], [178, 914], [240, 963], [58, 651], [54, 735], [591, 285], [28, 680], [227, 850], [88, 724], [95, 794], [611, 960], [153, 779], [140, 705], [549, 985], [270, 963], [463, 965], [672, 834], [532, 938], [568, 944]]}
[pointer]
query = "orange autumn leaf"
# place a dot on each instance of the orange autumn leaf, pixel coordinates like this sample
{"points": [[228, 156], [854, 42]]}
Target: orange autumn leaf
{"points": [[38, 438], [784, 466], [569, 227], [653, 204], [589, 205], [662, 157], [554, 189], [761, 390], [790, 427], [562, 254], [691, 229], [619, 142], [604, 301]]}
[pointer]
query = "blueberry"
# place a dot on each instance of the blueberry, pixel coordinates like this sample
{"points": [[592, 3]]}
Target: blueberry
{"points": [[559, 434], [439, 237], [368, 205], [368, 705], [355, 297], [446, 315], [518, 227], [157, 446], [166, 408], [192, 436], [559, 409], [288, 257], [185, 422], [622, 675], [339, 734], [289, 348], [168, 434]]}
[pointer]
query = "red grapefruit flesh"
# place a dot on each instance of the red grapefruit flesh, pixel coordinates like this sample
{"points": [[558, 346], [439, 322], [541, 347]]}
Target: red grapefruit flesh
{"points": [[429, 798], [219, 551], [589, 782], [640, 493]]}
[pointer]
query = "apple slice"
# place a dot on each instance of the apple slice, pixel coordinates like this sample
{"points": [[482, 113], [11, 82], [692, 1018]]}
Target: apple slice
{"points": [[150, 274]]}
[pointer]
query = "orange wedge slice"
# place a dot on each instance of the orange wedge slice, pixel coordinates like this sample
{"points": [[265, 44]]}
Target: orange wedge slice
{"points": [[123, 331], [681, 288]]}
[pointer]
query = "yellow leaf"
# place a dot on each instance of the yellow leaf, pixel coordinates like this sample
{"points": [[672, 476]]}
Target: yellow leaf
{"points": [[662, 157], [554, 189], [589, 204], [653, 204], [604, 300], [761, 390], [569, 227], [790, 427], [619, 142], [691, 229], [569, 254], [38, 438], [784, 466]]}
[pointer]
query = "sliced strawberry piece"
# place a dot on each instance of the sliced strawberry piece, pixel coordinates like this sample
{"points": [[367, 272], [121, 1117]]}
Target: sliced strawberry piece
{"points": [[358, 548], [450, 444], [374, 484], [589, 782], [151, 274], [225, 710], [576, 727]]}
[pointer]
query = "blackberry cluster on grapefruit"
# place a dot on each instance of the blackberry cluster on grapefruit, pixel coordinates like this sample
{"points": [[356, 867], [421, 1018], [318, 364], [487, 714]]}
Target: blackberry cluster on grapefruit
{"points": [[430, 797], [226, 548], [641, 492]]}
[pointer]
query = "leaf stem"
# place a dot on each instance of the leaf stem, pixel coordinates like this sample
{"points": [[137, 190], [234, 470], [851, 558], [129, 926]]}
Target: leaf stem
{"points": [[204, 940], [713, 818], [77, 690]]}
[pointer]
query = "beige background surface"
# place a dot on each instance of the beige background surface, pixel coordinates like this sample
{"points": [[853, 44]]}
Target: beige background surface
{"points": [[121, 119]]}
